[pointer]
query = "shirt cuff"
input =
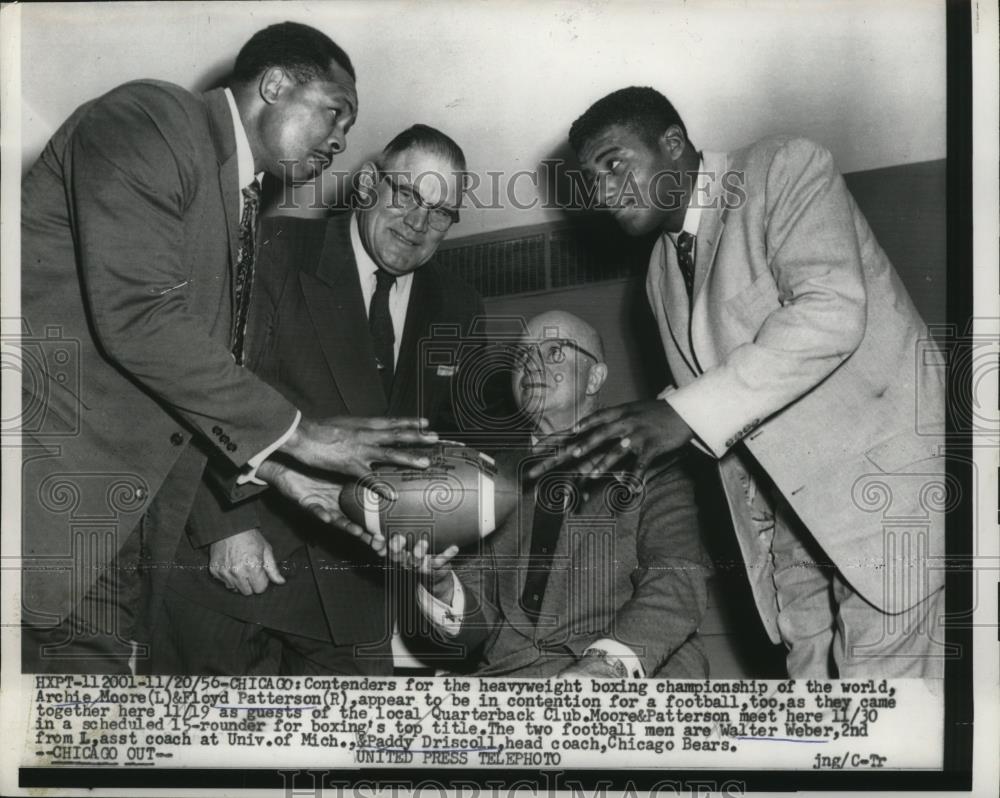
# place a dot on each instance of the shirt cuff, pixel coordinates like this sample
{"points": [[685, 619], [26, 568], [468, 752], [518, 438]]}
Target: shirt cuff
{"points": [[249, 473], [446, 617], [619, 651], [696, 440]]}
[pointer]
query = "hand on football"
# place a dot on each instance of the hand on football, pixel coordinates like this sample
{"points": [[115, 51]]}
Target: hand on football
{"points": [[350, 445], [319, 496], [644, 429]]}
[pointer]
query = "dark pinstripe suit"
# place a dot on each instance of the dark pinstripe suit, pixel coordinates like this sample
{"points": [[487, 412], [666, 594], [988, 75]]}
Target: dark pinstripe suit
{"points": [[310, 340]]}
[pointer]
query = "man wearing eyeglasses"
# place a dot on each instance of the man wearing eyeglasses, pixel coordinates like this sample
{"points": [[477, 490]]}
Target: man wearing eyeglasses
{"points": [[340, 312], [604, 579]]}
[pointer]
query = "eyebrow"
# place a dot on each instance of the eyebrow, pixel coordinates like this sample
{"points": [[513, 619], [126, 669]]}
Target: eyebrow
{"points": [[605, 152], [423, 201]]}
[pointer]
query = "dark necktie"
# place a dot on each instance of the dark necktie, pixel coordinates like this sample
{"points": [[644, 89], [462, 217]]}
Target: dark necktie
{"points": [[380, 326], [685, 259], [545, 531], [244, 267]]}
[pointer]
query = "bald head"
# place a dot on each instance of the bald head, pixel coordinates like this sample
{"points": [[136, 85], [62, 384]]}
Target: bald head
{"points": [[560, 383], [561, 324]]}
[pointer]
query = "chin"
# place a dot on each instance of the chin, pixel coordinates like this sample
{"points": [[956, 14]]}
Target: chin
{"points": [[637, 225]]}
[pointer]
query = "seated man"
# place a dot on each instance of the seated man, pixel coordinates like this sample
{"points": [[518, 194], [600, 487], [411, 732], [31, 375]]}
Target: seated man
{"points": [[604, 579]]}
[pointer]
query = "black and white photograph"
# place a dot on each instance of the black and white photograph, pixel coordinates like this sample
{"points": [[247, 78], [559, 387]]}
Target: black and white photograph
{"points": [[485, 397]]}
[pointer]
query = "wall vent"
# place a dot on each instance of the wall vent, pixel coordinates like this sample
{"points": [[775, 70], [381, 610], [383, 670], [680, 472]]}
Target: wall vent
{"points": [[525, 260]]}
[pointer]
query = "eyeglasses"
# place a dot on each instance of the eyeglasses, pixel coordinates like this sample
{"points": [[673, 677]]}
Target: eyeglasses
{"points": [[407, 198], [551, 352]]}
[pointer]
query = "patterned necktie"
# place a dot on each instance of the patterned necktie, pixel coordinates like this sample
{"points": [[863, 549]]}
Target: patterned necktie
{"points": [[380, 326], [685, 259], [244, 267]]}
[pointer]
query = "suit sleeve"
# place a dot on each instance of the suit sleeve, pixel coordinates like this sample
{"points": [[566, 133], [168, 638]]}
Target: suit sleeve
{"points": [[131, 167], [815, 263], [213, 518], [480, 617], [670, 593], [269, 286]]}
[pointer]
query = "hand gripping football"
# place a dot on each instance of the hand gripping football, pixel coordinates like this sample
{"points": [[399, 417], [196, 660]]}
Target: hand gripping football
{"points": [[459, 499]]}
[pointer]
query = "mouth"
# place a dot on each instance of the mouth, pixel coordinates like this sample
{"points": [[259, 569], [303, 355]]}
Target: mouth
{"points": [[621, 210], [403, 239], [324, 158]]}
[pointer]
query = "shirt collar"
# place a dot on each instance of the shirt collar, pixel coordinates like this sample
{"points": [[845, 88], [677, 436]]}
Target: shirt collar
{"points": [[692, 216], [244, 157]]}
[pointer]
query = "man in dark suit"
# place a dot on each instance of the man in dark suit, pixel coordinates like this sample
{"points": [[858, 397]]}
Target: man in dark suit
{"points": [[138, 244], [343, 316], [606, 579]]}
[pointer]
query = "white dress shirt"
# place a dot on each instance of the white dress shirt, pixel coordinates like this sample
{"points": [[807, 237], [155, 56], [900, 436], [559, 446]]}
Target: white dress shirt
{"points": [[399, 294]]}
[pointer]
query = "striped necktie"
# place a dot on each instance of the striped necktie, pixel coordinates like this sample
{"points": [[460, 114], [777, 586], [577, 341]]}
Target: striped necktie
{"points": [[685, 259], [245, 266]]}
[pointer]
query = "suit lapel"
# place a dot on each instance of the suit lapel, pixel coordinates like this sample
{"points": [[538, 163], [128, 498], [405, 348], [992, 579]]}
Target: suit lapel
{"points": [[710, 229], [666, 286], [562, 590], [333, 296], [224, 139], [421, 308]]}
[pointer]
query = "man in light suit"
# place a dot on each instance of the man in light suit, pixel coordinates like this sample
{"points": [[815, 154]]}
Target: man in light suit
{"points": [[328, 607], [606, 579], [800, 363], [138, 242]]}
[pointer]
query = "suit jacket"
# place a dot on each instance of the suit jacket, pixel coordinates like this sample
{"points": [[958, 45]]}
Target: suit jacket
{"points": [[627, 567], [309, 338], [130, 222], [803, 353]]}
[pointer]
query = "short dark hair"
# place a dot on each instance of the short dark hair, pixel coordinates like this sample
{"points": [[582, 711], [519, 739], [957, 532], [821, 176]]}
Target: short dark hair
{"points": [[639, 108], [303, 51], [424, 137]]}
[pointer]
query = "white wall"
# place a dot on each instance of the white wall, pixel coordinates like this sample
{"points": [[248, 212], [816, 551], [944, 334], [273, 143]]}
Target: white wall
{"points": [[867, 79]]}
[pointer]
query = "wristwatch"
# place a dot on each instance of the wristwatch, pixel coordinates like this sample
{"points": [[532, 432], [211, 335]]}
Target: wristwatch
{"points": [[613, 662]]}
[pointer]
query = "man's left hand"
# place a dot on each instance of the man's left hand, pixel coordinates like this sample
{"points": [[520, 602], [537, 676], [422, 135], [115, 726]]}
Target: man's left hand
{"points": [[646, 429], [319, 496]]}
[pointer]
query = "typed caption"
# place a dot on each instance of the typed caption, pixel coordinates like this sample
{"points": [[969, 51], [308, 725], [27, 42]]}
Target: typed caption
{"points": [[144, 722]]}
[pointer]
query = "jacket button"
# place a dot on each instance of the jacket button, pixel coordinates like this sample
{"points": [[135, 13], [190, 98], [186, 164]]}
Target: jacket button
{"points": [[231, 447], [177, 439], [224, 439], [216, 430]]}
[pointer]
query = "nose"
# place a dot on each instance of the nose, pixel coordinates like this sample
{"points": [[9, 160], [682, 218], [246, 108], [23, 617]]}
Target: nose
{"points": [[337, 140], [607, 190], [417, 219]]}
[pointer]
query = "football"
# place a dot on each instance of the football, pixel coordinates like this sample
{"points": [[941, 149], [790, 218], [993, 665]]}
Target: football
{"points": [[459, 499]]}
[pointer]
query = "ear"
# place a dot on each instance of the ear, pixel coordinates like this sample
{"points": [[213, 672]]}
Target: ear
{"points": [[673, 142], [367, 185], [273, 81], [595, 379]]}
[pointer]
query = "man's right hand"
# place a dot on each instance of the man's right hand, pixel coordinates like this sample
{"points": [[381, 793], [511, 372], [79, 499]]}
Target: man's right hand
{"points": [[433, 570], [244, 562], [350, 445]]}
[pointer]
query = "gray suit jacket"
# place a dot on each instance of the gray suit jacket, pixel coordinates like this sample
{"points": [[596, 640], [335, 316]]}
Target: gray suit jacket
{"points": [[129, 235], [804, 348], [629, 568]]}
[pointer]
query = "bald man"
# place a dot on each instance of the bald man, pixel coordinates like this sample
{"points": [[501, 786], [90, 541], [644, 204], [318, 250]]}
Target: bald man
{"points": [[606, 582]]}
